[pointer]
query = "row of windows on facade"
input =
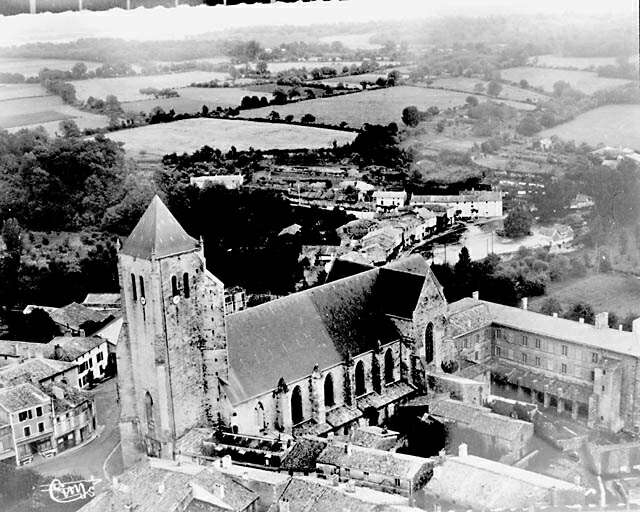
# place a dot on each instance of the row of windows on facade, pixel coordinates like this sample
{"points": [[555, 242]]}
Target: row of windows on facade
{"points": [[85, 365], [175, 290], [297, 410], [524, 358], [27, 430], [347, 473], [28, 414], [524, 341]]}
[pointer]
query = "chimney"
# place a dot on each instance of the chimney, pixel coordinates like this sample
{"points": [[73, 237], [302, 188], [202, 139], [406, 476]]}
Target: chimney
{"points": [[283, 505], [581, 320], [462, 450], [635, 325], [347, 448], [226, 461], [602, 320], [555, 315], [218, 490], [58, 392], [525, 303], [475, 295], [57, 352]]}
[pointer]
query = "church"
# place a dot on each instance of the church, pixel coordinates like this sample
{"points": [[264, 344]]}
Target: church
{"points": [[344, 353], [315, 361]]}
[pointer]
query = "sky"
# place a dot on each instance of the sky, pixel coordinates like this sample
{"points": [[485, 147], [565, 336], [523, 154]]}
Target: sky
{"points": [[162, 23]]}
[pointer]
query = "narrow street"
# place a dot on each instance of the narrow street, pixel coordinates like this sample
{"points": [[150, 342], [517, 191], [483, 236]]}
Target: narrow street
{"points": [[89, 460]]}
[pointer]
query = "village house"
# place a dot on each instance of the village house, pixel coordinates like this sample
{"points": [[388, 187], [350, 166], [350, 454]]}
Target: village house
{"points": [[15, 351], [74, 413], [389, 199], [559, 236], [468, 205], [581, 201], [363, 188], [229, 181], [28, 412], [379, 469], [89, 353], [39, 371], [79, 320]]}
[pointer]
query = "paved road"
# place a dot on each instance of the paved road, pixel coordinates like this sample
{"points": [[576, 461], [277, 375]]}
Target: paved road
{"points": [[88, 460]]}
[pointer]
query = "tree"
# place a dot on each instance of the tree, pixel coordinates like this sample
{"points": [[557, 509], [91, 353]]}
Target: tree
{"points": [[580, 310], [308, 118], [10, 263], [550, 306], [273, 116], [479, 87], [494, 88], [205, 111], [518, 222], [472, 101], [411, 116], [79, 70], [261, 67], [524, 84], [69, 129], [528, 126]]}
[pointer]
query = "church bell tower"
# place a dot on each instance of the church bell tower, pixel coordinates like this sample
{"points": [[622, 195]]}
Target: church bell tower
{"points": [[172, 352]]}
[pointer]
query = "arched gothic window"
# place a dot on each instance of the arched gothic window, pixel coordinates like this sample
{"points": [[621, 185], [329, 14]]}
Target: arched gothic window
{"points": [[297, 414], [428, 343], [148, 409], [329, 399], [361, 387], [185, 283], [389, 367]]}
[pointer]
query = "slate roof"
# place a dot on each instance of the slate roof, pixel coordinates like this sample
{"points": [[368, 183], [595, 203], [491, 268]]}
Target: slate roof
{"points": [[287, 337], [342, 414], [480, 419], [22, 396], [158, 234], [463, 320], [33, 370], [72, 397], [74, 347], [390, 464], [74, 315], [587, 335]]}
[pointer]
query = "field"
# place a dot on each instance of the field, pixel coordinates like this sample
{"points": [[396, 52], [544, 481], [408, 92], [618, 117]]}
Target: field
{"points": [[555, 61], [380, 106], [31, 67], [276, 67], [613, 125], [584, 81], [11, 91], [353, 41], [192, 98], [191, 134], [128, 88], [48, 111], [508, 92], [616, 293]]}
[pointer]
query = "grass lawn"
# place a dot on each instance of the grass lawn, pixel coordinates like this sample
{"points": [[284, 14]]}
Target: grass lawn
{"points": [[617, 293], [584, 81], [189, 135], [379, 106], [614, 125]]}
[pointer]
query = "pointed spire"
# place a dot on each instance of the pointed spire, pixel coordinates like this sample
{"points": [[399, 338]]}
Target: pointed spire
{"points": [[158, 234]]}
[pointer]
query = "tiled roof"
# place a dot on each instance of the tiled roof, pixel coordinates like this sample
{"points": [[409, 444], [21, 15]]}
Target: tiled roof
{"points": [[74, 347], [22, 396], [74, 315], [465, 320], [158, 234], [390, 464], [33, 370], [479, 418], [490, 485], [23, 348], [342, 414], [303, 455], [311, 427], [305, 494], [138, 489], [287, 337], [480, 195], [622, 342], [374, 437], [70, 398], [390, 394]]}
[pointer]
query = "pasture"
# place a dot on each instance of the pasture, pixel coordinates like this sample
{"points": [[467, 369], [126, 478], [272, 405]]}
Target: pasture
{"points": [[31, 67], [508, 92], [128, 88], [379, 106], [618, 293], [353, 41], [613, 125], [16, 91], [154, 141], [193, 98], [584, 81], [276, 67], [556, 61]]}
